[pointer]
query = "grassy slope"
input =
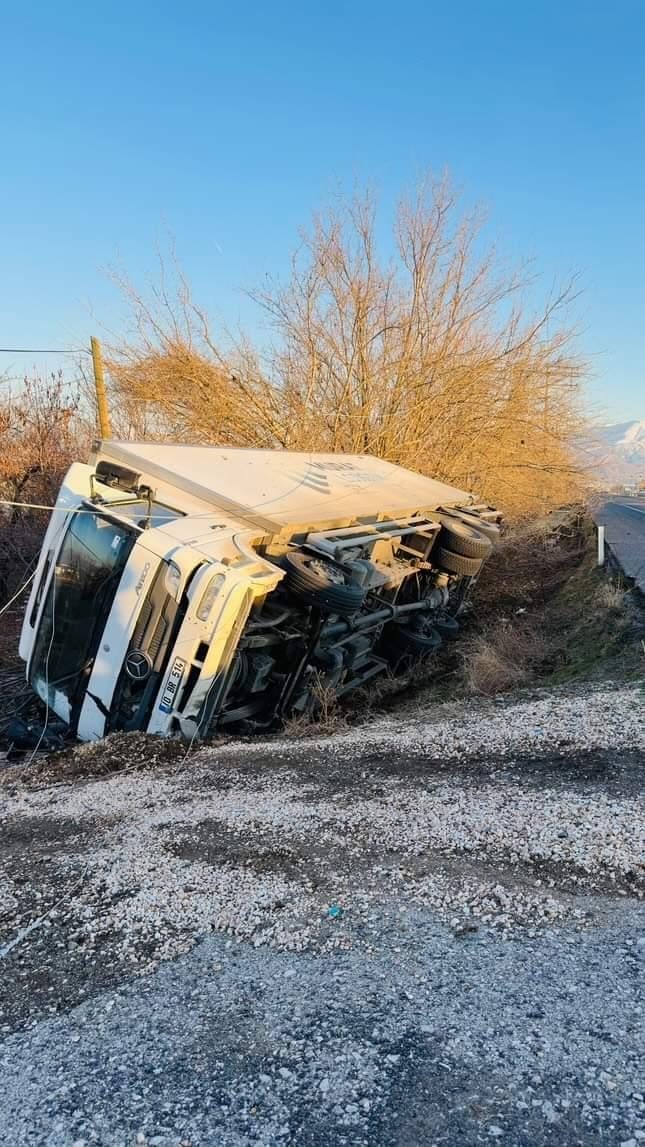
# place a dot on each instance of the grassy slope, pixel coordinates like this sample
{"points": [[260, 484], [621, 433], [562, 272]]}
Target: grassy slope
{"points": [[546, 613]]}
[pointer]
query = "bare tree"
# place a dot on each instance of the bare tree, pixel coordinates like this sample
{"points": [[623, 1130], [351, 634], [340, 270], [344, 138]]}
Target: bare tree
{"points": [[169, 378], [430, 357]]}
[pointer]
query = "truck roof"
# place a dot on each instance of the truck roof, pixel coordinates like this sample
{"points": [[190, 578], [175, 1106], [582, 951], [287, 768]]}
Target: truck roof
{"points": [[273, 489]]}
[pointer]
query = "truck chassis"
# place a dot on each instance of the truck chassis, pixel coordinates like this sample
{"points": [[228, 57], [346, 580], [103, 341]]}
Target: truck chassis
{"points": [[354, 603]]}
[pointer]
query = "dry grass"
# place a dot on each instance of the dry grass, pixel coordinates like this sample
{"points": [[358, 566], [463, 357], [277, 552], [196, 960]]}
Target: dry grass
{"points": [[533, 561], [546, 613], [326, 717], [611, 596], [503, 658]]}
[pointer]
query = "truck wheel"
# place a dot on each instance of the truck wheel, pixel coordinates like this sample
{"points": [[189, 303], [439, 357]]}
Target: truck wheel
{"points": [[322, 584], [461, 538], [456, 563], [489, 529], [418, 642], [447, 627]]}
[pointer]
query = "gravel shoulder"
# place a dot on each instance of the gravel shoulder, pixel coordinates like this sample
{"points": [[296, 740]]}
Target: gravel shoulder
{"points": [[421, 931]]}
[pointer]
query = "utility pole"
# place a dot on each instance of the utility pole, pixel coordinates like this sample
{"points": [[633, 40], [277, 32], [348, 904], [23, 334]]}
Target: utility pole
{"points": [[99, 386]]}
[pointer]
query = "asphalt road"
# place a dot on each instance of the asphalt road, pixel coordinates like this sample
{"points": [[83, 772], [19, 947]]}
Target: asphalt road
{"points": [[624, 522]]}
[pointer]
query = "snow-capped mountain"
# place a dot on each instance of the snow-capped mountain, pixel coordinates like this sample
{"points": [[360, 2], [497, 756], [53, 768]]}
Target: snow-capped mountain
{"points": [[616, 453]]}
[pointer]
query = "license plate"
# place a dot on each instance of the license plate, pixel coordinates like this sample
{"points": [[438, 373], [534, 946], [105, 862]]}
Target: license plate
{"points": [[172, 685]]}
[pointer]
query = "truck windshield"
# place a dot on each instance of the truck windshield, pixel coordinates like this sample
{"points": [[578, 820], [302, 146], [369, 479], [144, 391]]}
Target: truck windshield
{"points": [[89, 566]]}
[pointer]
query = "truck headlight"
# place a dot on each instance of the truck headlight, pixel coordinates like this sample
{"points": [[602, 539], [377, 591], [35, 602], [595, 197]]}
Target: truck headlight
{"points": [[173, 579], [209, 595]]}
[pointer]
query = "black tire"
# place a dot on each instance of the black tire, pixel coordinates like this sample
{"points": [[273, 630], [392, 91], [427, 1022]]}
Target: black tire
{"points": [[490, 530], [319, 582], [454, 563], [418, 643], [460, 537], [447, 627]]}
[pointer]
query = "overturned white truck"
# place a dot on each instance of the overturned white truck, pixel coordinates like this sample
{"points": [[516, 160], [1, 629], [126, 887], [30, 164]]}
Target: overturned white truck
{"points": [[187, 589]]}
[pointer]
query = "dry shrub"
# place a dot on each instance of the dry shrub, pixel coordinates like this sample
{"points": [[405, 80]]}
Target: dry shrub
{"points": [[39, 436], [170, 378], [503, 658], [325, 718]]}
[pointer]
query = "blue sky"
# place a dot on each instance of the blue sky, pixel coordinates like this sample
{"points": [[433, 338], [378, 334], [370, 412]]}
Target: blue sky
{"points": [[228, 124]]}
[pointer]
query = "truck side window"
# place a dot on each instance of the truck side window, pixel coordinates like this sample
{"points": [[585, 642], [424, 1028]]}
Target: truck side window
{"points": [[41, 586]]}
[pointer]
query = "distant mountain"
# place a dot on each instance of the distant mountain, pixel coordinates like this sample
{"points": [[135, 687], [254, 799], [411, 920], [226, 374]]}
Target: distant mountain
{"points": [[616, 453]]}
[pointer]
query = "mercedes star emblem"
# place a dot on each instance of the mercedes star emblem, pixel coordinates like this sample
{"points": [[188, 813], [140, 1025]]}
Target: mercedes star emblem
{"points": [[138, 665]]}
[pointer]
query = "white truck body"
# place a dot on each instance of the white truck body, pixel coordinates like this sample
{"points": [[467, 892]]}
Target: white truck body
{"points": [[154, 604]]}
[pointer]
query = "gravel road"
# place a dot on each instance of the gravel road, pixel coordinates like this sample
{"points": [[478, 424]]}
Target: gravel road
{"points": [[425, 932]]}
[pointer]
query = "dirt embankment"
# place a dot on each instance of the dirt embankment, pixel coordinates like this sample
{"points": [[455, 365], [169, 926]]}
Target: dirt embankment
{"points": [[545, 613]]}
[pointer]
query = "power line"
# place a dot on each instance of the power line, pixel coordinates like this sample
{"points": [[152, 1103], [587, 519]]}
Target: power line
{"points": [[18, 592], [41, 350]]}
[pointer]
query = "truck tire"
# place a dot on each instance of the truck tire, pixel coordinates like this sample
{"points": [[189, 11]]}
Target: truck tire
{"points": [[321, 583], [456, 563], [418, 643], [462, 538], [447, 627], [489, 529]]}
